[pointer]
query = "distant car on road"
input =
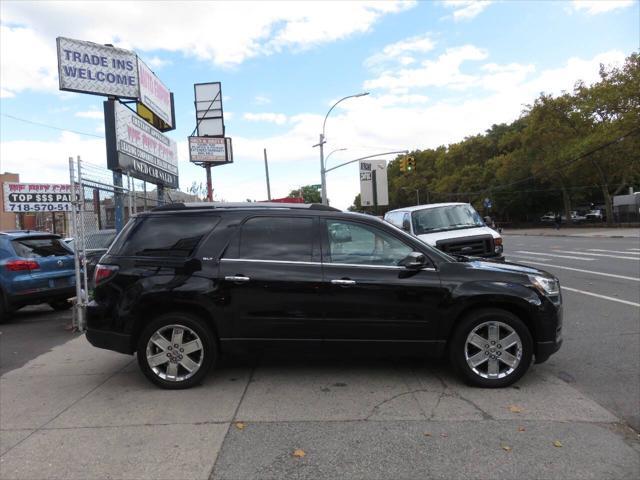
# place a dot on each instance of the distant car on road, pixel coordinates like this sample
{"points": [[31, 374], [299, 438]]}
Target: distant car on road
{"points": [[35, 267]]}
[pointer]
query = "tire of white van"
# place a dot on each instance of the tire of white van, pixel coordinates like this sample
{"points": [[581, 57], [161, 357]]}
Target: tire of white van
{"points": [[176, 350], [491, 348]]}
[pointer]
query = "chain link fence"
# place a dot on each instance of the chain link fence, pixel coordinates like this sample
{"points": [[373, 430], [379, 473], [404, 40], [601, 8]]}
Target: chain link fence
{"points": [[93, 220]]}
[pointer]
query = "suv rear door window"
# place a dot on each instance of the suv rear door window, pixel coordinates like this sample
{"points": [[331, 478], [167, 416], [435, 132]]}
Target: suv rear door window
{"points": [[39, 247], [166, 236], [277, 238]]}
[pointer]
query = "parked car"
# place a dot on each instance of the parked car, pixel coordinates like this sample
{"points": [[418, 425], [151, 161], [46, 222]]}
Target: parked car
{"points": [[548, 217], [575, 217], [97, 244], [595, 216], [187, 282], [454, 228], [35, 267]]}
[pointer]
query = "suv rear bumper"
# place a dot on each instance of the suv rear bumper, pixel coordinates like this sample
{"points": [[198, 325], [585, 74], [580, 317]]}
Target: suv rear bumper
{"points": [[118, 342]]}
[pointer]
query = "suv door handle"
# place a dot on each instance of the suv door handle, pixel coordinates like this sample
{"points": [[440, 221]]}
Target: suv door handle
{"points": [[237, 278], [343, 282]]}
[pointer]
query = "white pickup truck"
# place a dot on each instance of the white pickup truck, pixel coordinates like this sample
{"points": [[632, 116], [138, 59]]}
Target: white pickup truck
{"points": [[454, 228]]}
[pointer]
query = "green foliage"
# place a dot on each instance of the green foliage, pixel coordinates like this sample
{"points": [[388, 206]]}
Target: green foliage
{"points": [[310, 194], [562, 153]]}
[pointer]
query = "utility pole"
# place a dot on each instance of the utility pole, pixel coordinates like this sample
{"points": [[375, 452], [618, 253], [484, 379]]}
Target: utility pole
{"points": [[266, 171], [323, 173]]}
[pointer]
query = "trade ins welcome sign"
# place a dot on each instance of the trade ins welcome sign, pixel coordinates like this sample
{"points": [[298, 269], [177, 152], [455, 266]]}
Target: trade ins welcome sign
{"points": [[89, 67]]}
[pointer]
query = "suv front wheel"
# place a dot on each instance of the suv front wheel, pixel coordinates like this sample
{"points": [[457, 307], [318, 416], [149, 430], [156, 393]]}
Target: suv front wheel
{"points": [[176, 350], [491, 348]]}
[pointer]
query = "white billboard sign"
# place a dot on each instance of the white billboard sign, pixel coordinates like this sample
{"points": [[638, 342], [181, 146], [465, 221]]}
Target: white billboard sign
{"points": [[209, 113], [373, 171], [154, 94], [140, 149], [93, 68], [37, 197]]}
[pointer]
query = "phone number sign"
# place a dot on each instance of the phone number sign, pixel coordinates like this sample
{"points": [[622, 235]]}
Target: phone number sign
{"points": [[37, 197]]}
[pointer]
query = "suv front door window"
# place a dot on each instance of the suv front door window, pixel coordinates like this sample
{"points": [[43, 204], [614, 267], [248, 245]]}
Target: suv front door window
{"points": [[352, 243]]}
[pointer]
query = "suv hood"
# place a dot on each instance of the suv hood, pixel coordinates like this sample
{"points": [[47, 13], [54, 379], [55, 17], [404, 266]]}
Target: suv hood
{"points": [[432, 238], [507, 268]]}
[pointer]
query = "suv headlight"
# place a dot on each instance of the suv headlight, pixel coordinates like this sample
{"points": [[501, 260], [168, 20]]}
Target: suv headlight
{"points": [[548, 286]]}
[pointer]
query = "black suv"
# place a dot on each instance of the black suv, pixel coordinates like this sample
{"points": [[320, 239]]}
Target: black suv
{"points": [[186, 282]]}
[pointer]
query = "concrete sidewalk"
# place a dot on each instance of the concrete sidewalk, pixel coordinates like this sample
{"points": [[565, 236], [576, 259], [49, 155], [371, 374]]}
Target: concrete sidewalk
{"points": [[77, 412], [576, 232]]}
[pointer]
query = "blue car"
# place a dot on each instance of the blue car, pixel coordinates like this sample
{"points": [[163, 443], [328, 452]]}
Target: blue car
{"points": [[35, 267]]}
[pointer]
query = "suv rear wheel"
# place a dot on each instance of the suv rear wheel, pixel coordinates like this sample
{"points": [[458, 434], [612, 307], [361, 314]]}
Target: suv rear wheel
{"points": [[491, 348], [176, 350]]}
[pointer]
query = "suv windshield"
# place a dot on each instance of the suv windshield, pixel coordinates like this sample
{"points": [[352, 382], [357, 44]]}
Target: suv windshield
{"points": [[450, 217]]}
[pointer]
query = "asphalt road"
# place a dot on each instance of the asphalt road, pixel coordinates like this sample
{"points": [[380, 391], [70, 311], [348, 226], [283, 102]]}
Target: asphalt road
{"points": [[600, 278]]}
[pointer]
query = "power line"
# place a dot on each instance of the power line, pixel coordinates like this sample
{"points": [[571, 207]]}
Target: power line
{"points": [[52, 126]]}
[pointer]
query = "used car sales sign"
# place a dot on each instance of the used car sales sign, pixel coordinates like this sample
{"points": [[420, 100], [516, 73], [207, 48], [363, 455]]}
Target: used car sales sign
{"points": [[37, 197], [135, 147]]}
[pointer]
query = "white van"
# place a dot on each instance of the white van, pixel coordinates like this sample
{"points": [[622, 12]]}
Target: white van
{"points": [[454, 228]]}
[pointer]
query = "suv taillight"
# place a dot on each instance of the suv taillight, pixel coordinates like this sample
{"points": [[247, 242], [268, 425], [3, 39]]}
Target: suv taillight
{"points": [[21, 265], [104, 273]]}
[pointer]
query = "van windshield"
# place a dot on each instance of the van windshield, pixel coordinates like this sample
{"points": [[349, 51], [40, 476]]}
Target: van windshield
{"points": [[450, 217]]}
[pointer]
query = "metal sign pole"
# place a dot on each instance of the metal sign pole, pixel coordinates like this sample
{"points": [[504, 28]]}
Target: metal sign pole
{"points": [[209, 185], [85, 293], [78, 313], [375, 191]]}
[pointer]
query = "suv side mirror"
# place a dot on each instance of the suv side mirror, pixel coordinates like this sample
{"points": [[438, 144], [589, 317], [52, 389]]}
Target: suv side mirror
{"points": [[414, 261], [406, 225]]}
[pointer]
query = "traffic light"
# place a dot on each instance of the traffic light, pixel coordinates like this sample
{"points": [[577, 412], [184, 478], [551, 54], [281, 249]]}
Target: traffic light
{"points": [[403, 164], [411, 164]]}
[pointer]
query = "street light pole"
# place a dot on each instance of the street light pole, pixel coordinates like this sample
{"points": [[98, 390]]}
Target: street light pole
{"points": [[323, 178]]}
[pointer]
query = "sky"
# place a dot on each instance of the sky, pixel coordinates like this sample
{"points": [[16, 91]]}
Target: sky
{"points": [[436, 72]]}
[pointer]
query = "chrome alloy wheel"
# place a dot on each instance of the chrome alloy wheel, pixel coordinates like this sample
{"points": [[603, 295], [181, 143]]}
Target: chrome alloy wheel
{"points": [[493, 350], [174, 353]]}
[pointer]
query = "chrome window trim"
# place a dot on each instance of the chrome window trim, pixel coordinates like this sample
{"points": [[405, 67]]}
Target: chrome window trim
{"points": [[327, 264]]}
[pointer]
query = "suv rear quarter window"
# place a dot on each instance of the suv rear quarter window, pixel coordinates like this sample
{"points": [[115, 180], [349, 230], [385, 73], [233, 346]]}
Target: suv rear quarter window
{"points": [[165, 236]]}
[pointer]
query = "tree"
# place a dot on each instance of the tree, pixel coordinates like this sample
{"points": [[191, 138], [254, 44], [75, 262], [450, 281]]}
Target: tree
{"points": [[309, 193]]}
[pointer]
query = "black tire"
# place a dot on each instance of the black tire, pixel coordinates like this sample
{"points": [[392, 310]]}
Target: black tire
{"points": [[190, 325], [60, 305], [458, 348]]}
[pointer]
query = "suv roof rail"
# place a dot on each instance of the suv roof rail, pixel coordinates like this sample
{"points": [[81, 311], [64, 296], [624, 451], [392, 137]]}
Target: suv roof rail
{"points": [[247, 205]]}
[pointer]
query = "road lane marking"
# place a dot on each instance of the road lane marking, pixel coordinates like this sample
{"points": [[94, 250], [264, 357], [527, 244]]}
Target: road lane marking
{"points": [[604, 297], [553, 255], [518, 257], [635, 279], [635, 249], [612, 251], [597, 255]]}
